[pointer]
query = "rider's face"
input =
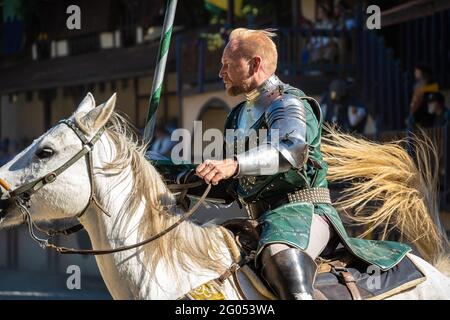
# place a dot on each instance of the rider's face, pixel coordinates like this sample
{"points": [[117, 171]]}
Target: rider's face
{"points": [[235, 71]]}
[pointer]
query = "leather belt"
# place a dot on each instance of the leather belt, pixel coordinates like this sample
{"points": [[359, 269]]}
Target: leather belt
{"points": [[312, 195]]}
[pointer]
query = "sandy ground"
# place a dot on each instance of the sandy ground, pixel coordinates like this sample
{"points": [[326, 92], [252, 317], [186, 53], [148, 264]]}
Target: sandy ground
{"points": [[19, 285]]}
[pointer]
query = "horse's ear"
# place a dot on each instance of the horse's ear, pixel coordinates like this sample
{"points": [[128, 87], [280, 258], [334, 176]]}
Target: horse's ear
{"points": [[97, 117], [87, 104]]}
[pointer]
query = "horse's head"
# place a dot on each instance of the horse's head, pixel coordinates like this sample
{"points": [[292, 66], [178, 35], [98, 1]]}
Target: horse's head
{"points": [[70, 192]]}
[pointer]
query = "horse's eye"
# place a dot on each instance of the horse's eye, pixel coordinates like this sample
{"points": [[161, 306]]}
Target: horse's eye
{"points": [[44, 153]]}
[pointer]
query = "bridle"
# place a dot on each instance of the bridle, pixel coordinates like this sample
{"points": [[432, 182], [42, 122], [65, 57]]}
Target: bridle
{"points": [[22, 198]]}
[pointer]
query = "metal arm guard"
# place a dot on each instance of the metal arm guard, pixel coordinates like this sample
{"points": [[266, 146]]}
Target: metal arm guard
{"points": [[261, 161], [286, 147]]}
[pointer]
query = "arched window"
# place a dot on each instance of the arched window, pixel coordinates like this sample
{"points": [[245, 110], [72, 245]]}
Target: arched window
{"points": [[213, 114]]}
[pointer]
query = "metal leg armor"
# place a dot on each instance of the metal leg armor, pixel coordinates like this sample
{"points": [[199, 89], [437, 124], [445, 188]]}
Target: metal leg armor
{"points": [[290, 273]]}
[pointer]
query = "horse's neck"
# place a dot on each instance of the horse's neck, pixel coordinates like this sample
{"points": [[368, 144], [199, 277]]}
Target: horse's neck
{"points": [[125, 273]]}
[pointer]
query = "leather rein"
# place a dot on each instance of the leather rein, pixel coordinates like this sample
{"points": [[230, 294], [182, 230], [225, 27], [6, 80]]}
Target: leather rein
{"points": [[22, 196]]}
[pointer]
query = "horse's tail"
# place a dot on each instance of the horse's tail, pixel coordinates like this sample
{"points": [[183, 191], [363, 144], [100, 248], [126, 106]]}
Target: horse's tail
{"points": [[389, 189]]}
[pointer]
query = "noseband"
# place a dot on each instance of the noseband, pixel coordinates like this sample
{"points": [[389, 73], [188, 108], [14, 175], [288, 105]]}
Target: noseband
{"points": [[22, 197]]}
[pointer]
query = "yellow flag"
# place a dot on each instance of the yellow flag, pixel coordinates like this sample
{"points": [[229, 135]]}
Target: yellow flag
{"points": [[222, 5]]}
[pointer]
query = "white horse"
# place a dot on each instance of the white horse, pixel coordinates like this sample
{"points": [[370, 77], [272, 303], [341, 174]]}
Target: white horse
{"points": [[139, 205]]}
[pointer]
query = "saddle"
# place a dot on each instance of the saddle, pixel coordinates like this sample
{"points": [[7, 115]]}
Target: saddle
{"points": [[340, 275]]}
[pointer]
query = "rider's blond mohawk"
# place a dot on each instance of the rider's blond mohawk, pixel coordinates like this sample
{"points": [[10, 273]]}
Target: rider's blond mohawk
{"points": [[244, 32], [257, 42]]}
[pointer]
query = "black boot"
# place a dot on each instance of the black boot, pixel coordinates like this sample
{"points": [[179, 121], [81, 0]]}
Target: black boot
{"points": [[291, 274]]}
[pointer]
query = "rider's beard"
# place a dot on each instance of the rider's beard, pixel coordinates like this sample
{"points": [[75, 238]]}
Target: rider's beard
{"points": [[243, 87]]}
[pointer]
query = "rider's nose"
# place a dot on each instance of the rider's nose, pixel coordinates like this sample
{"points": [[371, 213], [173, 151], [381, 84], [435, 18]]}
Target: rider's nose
{"points": [[221, 73]]}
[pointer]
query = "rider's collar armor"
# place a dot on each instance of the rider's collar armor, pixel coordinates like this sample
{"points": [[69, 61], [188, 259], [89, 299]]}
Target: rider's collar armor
{"points": [[265, 90], [257, 102]]}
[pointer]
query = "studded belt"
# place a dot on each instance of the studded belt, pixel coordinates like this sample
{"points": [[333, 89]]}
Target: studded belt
{"points": [[312, 195]]}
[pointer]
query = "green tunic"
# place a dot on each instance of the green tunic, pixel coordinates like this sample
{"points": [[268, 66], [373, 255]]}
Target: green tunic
{"points": [[291, 223]]}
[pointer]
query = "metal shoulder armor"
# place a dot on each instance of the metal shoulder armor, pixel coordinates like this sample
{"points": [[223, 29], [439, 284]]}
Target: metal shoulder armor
{"points": [[286, 120]]}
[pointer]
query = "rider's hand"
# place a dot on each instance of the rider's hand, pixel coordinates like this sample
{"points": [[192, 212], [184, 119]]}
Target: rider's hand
{"points": [[213, 171]]}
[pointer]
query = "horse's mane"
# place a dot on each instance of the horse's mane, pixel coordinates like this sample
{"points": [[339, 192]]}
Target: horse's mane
{"points": [[189, 245]]}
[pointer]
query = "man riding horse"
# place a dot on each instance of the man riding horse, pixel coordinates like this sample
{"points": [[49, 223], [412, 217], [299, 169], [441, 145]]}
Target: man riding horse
{"points": [[291, 199]]}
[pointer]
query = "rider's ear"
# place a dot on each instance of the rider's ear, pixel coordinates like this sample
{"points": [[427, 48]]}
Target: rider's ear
{"points": [[87, 104], [97, 117]]}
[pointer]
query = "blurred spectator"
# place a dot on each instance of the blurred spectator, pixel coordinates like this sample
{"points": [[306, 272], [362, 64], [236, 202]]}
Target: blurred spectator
{"points": [[424, 85], [343, 16], [43, 46], [323, 47], [162, 143], [324, 18], [345, 24], [341, 108], [436, 107]]}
